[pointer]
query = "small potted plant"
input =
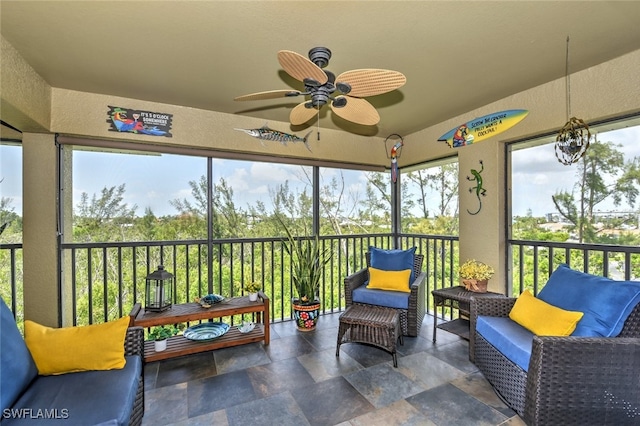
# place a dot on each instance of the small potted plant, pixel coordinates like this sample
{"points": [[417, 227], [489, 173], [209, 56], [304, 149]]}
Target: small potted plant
{"points": [[252, 288], [159, 334], [475, 275]]}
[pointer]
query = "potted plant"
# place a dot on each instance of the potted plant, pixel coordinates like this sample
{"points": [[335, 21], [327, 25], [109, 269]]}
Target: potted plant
{"points": [[159, 334], [475, 275], [252, 288], [308, 259]]}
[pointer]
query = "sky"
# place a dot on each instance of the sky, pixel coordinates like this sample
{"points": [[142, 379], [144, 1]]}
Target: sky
{"points": [[537, 174], [152, 180]]}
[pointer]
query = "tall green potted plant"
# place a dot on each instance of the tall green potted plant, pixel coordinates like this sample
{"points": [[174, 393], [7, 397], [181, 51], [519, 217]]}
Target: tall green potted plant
{"points": [[308, 259]]}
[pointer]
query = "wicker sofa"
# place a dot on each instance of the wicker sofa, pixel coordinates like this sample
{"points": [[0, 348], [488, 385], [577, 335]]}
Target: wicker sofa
{"points": [[412, 316], [108, 397], [570, 380]]}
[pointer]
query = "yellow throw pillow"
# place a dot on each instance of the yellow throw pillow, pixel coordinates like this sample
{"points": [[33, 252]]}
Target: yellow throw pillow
{"points": [[389, 280], [72, 349], [543, 319]]}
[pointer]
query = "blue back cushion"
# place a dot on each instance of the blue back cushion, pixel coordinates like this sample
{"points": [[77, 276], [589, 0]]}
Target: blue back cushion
{"points": [[17, 368], [393, 260], [606, 303]]}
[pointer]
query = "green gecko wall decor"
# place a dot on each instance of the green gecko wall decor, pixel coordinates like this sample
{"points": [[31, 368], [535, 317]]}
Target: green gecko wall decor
{"points": [[479, 189]]}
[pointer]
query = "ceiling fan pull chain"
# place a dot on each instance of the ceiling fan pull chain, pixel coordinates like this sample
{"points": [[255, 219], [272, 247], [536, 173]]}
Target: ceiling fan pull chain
{"points": [[318, 123]]}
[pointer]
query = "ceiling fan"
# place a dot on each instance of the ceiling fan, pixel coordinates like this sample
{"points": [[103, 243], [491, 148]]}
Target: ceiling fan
{"points": [[321, 85]]}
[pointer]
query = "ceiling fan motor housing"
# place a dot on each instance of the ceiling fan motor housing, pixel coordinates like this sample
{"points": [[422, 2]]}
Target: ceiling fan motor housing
{"points": [[320, 56]]}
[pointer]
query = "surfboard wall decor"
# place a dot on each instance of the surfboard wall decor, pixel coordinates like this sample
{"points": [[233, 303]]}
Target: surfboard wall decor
{"points": [[482, 128]]}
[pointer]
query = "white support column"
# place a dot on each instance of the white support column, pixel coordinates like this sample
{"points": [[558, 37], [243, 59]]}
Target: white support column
{"points": [[482, 235]]}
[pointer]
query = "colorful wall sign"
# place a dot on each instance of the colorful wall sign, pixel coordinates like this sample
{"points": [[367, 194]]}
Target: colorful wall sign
{"points": [[483, 128], [138, 121]]}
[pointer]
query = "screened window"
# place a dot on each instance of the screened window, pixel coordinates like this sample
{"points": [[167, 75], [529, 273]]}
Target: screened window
{"points": [[246, 195], [430, 199], [10, 193], [135, 196], [354, 202], [594, 200], [11, 269]]}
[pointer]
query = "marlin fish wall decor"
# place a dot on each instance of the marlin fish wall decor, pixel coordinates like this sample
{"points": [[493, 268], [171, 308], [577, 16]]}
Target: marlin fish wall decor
{"points": [[266, 134]]}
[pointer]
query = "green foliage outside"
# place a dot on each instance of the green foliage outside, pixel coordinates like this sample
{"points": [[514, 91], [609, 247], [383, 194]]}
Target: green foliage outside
{"points": [[11, 270], [185, 252], [247, 242], [602, 174]]}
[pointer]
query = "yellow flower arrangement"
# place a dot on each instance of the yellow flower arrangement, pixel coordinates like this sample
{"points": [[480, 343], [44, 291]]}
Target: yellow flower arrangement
{"points": [[475, 270], [252, 287]]}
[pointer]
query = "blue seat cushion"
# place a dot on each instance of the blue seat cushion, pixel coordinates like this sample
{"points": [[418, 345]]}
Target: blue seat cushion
{"points": [[606, 303], [508, 337], [387, 298], [393, 260], [17, 368], [84, 398]]}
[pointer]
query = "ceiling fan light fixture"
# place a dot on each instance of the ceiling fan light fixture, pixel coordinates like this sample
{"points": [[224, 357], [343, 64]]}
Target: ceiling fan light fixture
{"points": [[344, 88], [339, 102]]}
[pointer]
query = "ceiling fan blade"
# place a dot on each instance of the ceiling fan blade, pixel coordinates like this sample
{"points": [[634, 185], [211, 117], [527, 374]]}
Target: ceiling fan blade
{"points": [[358, 111], [371, 82], [301, 114], [299, 67], [271, 94]]}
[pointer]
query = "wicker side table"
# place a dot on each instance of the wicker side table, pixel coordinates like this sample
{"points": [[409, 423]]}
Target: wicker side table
{"points": [[375, 325], [455, 298]]}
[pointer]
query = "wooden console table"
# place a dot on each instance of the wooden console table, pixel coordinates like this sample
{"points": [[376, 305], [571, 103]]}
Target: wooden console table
{"points": [[455, 298], [188, 312]]}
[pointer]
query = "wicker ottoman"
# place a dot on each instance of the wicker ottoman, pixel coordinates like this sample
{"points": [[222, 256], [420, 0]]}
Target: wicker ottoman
{"points": [[373, 325]]}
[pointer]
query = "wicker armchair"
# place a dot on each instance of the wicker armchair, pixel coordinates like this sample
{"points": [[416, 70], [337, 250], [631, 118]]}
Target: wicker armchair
{"points": [[571, 380], [411, 318], [134, 345]]}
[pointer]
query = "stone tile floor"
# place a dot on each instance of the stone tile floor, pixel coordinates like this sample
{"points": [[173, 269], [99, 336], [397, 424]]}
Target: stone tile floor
{"points": [[298, 380]]}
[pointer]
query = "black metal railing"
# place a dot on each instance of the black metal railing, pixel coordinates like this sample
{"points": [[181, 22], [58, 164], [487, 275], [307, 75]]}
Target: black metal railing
{"points": [[11, 279], [534, 261], [106, 279]]}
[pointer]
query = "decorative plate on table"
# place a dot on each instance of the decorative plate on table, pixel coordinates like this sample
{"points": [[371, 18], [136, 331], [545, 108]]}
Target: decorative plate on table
{"points": [[246, 327], [209, 300], [206, 331]]}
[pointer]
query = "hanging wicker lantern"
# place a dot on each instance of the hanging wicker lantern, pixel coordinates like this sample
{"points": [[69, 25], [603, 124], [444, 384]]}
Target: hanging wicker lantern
{"points": [[572, 141]]}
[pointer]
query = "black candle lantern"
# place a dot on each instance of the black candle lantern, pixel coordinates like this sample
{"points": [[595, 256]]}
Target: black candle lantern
{"points": [[159, 290]]}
